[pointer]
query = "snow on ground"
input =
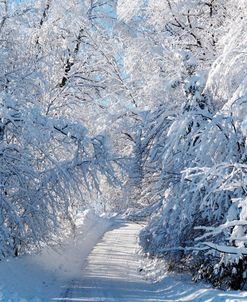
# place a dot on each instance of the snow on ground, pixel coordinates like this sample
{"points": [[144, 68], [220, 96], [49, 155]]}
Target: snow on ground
{"points": [[41, 277], [111, 272], [179, 287]]}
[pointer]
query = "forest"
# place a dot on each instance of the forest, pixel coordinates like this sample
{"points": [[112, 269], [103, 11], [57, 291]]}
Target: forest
{"points": [[127, 106]]}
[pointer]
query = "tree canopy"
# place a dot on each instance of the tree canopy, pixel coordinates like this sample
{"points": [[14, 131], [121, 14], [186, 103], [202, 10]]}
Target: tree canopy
{"points": [[142, 102]]}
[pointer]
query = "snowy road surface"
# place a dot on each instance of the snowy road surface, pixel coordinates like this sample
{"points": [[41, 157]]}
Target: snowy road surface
{"points": [[111, 273], [111, 270]]}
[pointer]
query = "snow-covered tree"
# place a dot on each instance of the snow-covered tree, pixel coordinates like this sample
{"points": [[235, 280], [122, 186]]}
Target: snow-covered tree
{"points": [[48, 159], [165, 81], [195, 164], [46, 165]]}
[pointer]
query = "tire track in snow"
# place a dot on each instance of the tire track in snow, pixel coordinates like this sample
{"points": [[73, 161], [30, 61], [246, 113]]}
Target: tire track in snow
{"points": [[111, 264]]}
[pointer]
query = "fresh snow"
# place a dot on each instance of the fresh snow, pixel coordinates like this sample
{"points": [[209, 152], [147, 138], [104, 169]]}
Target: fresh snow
{"points": [[39, 278], [113, 271]]}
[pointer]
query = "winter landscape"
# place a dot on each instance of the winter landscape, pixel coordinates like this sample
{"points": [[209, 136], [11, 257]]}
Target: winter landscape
{"points": [[123, 169]]}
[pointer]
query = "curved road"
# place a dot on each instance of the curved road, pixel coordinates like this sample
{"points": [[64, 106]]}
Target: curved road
{"points": [[111, 270], [111, 273]]}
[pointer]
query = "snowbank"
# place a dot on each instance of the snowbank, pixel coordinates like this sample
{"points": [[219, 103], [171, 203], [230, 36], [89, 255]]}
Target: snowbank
{"points": [[173, 287], [38, 278]]}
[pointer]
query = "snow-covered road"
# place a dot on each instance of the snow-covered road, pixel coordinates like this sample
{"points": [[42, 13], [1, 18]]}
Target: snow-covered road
{"points": [[111, 273], [111, 270], [100, 263]]}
